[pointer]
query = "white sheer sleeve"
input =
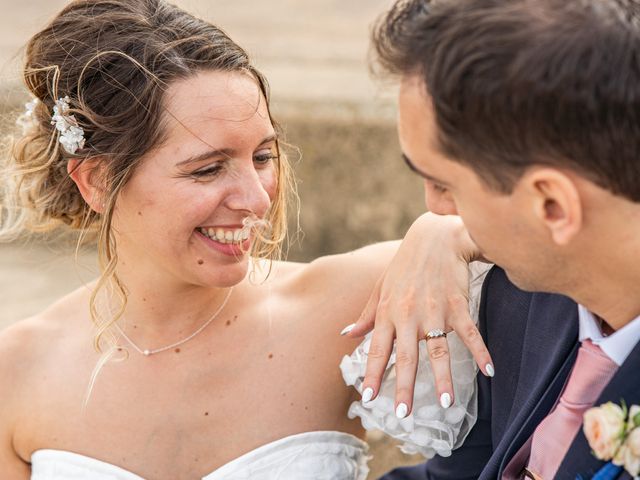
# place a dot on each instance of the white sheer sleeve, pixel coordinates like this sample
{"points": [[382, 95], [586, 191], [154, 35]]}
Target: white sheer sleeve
{"points": [[429, 429]]}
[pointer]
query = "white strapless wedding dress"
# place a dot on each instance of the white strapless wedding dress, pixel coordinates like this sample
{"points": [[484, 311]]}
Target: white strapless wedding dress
{"points": [[328, 455], [306, 456]]}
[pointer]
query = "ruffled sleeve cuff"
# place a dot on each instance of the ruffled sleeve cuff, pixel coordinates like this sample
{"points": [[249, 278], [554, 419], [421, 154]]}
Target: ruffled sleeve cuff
{"points": [[428, 429]]}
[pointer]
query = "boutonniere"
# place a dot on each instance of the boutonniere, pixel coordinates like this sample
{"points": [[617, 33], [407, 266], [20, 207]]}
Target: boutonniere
{"points": [[613, 433]]}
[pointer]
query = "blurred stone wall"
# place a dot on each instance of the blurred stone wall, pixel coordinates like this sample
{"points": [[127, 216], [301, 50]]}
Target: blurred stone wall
{"points": [[354, 188]]}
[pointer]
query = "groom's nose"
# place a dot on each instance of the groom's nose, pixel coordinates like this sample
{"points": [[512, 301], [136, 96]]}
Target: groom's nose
{"points": [[440, 203]]}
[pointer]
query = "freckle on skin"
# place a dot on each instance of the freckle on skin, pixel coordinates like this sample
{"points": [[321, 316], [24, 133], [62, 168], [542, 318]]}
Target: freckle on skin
{"points": [[206, 414], [228, 323], [235, 317], [291, 404], [177, 350], [271, 355], [200, 262], [140, 213]]}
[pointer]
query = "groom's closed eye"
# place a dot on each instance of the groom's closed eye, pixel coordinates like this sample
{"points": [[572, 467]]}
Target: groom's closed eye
{"points": [[435, 183]]}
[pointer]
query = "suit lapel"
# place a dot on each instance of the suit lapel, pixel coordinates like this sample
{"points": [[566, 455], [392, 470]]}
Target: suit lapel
{"points": [[624, 385], [548, 355]]}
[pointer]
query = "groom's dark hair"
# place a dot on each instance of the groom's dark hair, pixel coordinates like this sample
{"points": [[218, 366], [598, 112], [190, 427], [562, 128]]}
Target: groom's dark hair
{"points": [[523, 82]]}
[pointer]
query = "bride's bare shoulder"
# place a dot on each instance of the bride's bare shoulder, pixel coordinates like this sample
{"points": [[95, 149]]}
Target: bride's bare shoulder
{"points": [[26, 342], [329, 292], [353, 273], [27, 354]]}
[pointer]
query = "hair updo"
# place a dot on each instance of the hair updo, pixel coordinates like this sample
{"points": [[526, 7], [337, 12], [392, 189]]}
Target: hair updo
{"points": [[114, 59]]}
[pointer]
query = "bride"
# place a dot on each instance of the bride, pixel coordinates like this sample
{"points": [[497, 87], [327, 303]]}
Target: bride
{"points": [[193, 355]]}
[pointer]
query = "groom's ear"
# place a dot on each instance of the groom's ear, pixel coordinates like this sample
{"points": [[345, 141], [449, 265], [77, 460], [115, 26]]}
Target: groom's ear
{"points": [[556, 202]]}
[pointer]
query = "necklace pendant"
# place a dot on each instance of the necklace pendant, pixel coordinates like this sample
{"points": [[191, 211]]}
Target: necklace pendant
{"points": [[148, 353]]}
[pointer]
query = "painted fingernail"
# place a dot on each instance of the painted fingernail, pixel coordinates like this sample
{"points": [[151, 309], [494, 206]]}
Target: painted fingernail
{"points": [[401, 410], [347, 329], [445, 400], [367, 395], [489, 369]]}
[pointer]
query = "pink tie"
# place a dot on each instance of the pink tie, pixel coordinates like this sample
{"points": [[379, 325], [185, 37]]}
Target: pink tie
{"points": [[552, 439]]}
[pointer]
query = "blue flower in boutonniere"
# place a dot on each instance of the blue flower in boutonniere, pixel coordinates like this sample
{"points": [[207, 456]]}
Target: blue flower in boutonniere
{"points": [[613, 434]]}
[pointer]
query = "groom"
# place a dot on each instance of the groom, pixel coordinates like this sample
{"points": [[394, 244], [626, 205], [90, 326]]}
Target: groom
{"points": [[523, 117]]}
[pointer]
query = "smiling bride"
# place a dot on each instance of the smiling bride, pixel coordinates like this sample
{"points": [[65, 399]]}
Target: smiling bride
{"points": [[196, 354]]}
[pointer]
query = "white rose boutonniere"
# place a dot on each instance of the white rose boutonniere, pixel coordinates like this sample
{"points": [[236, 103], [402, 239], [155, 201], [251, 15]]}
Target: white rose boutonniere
{"points": [[604, 428], [613, 434]]}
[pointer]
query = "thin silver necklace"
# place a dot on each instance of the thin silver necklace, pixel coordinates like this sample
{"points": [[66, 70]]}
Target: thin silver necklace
{"points": [[149, 352]]}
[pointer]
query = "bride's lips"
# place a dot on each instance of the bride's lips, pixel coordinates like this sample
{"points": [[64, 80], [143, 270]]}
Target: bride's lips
{"points": [[229, 249]]}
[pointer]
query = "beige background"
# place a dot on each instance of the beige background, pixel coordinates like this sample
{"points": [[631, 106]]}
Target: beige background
{"points": [[353, 187]]}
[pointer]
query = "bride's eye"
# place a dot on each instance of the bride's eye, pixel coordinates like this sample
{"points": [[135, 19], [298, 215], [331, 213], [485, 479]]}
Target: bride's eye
{"points": [[264, 157], [208, 172]]}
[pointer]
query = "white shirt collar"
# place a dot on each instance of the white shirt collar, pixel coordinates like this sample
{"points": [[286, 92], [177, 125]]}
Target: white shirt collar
{"points": [[616, 346]]}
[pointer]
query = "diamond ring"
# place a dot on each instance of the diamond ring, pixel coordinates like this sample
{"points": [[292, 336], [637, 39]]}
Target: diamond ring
{"points": [[435, 333]]}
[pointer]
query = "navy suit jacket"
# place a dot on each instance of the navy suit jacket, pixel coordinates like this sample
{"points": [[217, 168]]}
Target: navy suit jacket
{"points": [[533, 340]]}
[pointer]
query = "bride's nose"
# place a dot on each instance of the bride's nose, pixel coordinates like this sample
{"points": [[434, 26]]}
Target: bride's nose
{"points": [[250, 192]]}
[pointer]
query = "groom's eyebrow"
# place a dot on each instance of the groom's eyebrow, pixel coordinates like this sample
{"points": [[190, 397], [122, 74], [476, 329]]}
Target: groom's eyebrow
{"points": [[424, 175]]}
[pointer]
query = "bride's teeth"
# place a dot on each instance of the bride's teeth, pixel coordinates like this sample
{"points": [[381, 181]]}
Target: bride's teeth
{"points": [[229, 236]]}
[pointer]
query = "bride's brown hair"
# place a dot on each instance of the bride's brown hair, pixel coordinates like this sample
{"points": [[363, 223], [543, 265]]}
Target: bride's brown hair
{"points": [[114, 59]]}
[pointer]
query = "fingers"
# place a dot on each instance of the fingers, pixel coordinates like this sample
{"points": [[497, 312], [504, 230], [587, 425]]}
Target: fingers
{"points": [[406, 369], [377, 359], [438, 349], [473, 340], [368, 316], [466, 329]]}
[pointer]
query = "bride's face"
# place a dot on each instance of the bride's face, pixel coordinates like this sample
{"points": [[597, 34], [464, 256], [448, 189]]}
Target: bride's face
{"points": [[215, 167]]}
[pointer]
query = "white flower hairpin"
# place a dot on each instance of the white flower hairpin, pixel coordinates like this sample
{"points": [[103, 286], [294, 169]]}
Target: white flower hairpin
{"points": [[71, 134], [27, 120]]}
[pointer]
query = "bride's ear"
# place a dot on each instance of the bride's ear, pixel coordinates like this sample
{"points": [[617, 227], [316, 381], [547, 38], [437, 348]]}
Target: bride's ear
{"points": [[88, 175]]}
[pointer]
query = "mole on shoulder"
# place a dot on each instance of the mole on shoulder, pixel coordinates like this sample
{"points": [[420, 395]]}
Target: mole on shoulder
{"points": [[200, 261]]}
